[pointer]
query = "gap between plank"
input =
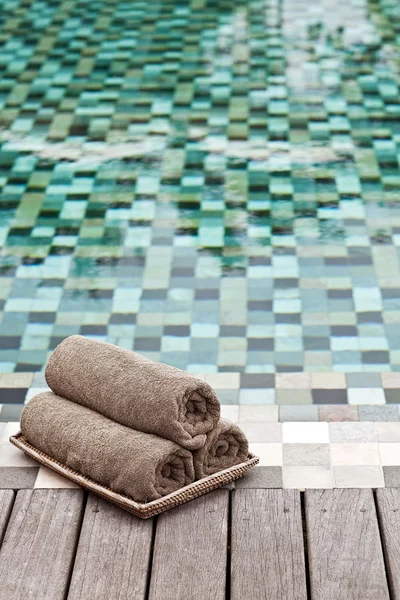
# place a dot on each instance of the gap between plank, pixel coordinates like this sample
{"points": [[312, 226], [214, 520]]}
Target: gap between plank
{"points": [[150, 565], [305, 543], [229, 548], [73, 560], [381, 536], [8, 516]]}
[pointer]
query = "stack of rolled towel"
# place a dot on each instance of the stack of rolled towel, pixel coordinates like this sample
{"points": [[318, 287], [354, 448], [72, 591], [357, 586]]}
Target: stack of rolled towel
{"points": [[140, 428]]}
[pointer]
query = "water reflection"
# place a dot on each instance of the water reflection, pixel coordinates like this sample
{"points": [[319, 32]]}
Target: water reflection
{"points": [[247, 148]]}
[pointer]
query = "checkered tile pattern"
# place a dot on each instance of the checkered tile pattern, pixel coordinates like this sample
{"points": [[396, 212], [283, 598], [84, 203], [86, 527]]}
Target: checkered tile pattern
{"points": [[277, 397], [214, 184], [292, 455]]}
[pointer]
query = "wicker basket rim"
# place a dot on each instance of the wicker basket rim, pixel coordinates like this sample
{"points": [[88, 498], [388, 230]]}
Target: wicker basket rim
{"points": [[142, 510]]}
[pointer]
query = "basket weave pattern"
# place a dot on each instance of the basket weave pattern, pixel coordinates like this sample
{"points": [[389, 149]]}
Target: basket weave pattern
{"points": [[150, 509]]}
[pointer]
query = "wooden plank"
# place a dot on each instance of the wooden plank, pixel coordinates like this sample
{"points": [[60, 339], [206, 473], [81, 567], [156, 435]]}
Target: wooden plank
{"points": [[6, 502], [344, 547], [388, 501], [112, 559], [39, 544], [267, 550], [190, 550]]}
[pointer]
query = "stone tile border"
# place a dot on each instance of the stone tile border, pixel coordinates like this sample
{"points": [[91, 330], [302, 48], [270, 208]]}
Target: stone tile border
{"points": [[292, 455]]}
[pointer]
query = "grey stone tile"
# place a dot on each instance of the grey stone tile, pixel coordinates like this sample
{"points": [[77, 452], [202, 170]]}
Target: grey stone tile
{"points": [[306, 455], [391, 476], [352, 432], [328, 396], [17, 477], [392, 396], [13, 395], [257, 380], [261, 477], [378, 413], [375, 357], [298, 412], [11, 412], [364, 476], [344, 330], [359, 380]]}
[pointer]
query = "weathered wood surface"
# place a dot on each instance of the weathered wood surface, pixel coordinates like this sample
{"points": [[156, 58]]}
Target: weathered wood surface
{"points": [[38, 548], [6, 502], [344, 547], [388, 502], [190, 551], [52, 551], [112, 559], [267, 549]]}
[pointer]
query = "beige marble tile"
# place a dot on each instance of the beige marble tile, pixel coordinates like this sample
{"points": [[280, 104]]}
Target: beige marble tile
{"points": [[328, 380], [46, 478], [358, 476], [293, 381], [258, 412], [337, 413], [390, 454], [305, 433], [16, 380], [388, 432], [262, 432], [9, 428], [390, 380], [223, 381], [307, 478], [270, 454], [10, 456], [230, 412], [355, 454]]}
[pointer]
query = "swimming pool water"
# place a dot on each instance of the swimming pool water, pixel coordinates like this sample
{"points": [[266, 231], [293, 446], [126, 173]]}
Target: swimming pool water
{"points": [[214, 184]]}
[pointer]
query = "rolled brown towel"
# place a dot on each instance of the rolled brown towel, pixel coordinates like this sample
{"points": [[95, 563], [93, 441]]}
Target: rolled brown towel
{"points": [[226, 446], [140, 465], [134, 391]]}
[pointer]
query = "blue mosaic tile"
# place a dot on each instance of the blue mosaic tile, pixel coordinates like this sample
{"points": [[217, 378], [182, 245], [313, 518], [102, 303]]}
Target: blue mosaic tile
{"points": [[213, 184]]}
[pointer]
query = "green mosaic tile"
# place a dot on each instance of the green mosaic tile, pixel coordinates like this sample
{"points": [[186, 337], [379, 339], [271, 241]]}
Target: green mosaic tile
{"points": [[214, 183]]}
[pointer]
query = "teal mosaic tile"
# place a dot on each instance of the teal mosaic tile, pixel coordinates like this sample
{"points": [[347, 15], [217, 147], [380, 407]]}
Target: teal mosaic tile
{"points": [[213, 183]]}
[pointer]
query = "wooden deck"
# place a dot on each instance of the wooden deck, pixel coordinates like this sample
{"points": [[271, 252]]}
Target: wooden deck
{"points": [[249, 544]]}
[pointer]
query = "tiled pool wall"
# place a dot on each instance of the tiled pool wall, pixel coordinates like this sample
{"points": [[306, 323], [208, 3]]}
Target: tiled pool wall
{"points": [[277, 397], [213, 184]]}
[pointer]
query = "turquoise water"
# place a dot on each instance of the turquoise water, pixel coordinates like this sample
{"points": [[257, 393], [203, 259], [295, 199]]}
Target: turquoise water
{"points": [[213, 184]]}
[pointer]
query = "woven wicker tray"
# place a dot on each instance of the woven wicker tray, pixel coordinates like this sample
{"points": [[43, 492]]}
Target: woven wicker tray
{"points": [[144, 511]]}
